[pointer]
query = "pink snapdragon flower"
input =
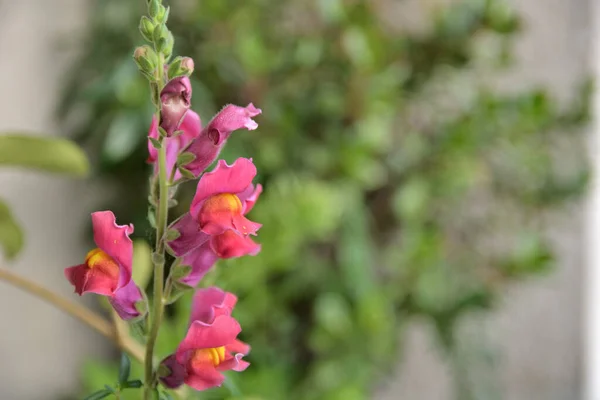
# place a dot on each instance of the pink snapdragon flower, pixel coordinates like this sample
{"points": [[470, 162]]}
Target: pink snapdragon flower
{"points": [[107, 269], [175, 100], [216, 226], [190, 126], [210, 345], [207, 146]]}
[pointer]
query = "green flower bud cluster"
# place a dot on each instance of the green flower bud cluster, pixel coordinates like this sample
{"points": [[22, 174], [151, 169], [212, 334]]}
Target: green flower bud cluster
{"points": [[154, 29]]}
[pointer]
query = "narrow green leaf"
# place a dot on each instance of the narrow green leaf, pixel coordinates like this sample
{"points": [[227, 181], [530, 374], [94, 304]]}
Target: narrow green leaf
{"points": [[165, 396], [100, 394], [155, 143], [11, 235], [43, 153], [180, 272], [185, 158], [110, 389], [133, 384], [172, 234], [186, 173], [124, 369]]}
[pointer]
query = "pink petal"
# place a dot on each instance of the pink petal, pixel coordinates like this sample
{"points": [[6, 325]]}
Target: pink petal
{"points": [[221, 332], [208, 145], [190, 235], [178, 372], [191, 127], [232, 118], [211, 302], [201, 259], [232, 244], [114, 240], [202, 375], [223, 214], [224, 178], [249, 197], [88, 280], [153, 133], [237, 346], [234, 363], [124, 299]]}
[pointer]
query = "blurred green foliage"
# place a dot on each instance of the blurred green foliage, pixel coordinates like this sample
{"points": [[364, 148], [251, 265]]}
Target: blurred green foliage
{"points": [[397, 181]]}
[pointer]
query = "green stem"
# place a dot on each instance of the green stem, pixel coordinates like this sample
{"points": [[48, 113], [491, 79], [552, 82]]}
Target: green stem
{"points": [[162, 213]]}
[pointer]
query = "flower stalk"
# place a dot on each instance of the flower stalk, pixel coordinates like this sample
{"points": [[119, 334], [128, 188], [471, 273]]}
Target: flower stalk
{"points": [[162, 213]]}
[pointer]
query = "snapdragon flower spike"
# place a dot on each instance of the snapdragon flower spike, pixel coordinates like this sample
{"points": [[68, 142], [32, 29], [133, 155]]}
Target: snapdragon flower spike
{"points": [[207, 146], [190, 126], [107, 269], [175, 101], [210, 345]]}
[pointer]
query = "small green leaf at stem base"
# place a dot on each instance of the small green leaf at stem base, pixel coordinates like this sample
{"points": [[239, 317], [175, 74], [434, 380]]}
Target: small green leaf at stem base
{"points": [[180, 271], [135, 384], [164, 396], [185, 158], [155, 143], [124, 369], [100, 394], [172, 234], [186, 173]]}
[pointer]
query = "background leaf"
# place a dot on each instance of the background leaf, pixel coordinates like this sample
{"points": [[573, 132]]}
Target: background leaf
{"points": [[11, 235], [43, 153]]}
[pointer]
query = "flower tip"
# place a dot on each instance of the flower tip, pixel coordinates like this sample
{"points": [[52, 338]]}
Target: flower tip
{"points": [[187, 64], [253, 111]]}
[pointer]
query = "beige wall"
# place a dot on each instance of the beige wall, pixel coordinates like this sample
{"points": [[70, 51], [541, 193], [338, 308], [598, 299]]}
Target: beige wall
{"points": [[41, 349]]}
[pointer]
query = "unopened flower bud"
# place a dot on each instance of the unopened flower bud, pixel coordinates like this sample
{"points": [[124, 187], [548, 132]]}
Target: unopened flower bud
{"points": [[180, 66], [154, 8], [187, 65], [175, 102], [145, 58], [146, 28], [163, 14], [166, 48], [160, 32]]}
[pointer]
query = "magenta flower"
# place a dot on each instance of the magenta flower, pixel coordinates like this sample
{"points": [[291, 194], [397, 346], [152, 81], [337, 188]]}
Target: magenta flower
{"points": [[107, 269], [175, 100], [220, 200], [208, 145], [216, 227], [191, 126], [210, 346]]}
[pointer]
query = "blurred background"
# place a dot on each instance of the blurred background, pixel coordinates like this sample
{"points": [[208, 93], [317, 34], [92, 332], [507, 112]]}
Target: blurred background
{"points": [[425, 170]]}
